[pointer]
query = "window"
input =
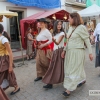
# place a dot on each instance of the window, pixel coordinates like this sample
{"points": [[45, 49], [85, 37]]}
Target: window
{"points": [[81, 1]]}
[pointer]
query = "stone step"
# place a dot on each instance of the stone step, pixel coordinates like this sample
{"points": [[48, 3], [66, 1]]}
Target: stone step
{"points": [[15, 45]]}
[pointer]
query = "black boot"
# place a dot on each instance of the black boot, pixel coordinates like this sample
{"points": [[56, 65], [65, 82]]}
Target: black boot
{"points": [[48, 86], [38, 78]]}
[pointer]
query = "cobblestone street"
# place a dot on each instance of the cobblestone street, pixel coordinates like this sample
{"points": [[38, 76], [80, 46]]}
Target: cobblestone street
{"points": [[31, 90]]}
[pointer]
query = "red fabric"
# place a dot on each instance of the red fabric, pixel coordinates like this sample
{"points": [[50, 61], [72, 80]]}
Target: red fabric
{"points": [[34, 44], [64, 44], [46, 47], [52, 45]]}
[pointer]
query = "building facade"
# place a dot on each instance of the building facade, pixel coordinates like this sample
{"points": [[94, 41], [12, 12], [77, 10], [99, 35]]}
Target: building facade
{"points": [[10, 25], [75, 5]]}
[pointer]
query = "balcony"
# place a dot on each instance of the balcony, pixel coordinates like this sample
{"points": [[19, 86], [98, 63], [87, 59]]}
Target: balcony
{"points": [[80, 3]]}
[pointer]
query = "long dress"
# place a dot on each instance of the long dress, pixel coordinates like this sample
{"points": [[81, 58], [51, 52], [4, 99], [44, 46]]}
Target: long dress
{"points": [[43, 55], [5, 76], [3, 95], [29, 49], [55, 72], [75, 57]]}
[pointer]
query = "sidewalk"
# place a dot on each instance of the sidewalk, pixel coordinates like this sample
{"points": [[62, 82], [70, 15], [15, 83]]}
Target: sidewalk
{"points": [[31, 90], [17, 55]]}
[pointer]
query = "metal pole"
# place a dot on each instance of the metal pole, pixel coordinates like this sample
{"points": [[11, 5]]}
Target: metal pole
{"points": [[20, 40]]}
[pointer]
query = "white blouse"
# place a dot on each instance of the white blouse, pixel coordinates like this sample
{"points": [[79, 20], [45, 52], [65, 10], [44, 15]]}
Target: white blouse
{"points": [[44, 35], [3, 39], [97, 31], [61, 44]]}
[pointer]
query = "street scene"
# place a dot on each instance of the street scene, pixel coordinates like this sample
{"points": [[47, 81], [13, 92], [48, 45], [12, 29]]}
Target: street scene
{"points": [[31, 90], [49, 50]]}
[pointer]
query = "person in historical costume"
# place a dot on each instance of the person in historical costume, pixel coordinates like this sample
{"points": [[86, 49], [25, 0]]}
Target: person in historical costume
{"points": [[7, 75], [6, 35], [29, 40], [55, 73], [74, 54], [44, 52], [3, 96], [96, 38]]}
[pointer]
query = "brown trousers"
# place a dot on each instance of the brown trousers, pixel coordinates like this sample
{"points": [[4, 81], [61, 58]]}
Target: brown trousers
{"points": [[42, 62]]}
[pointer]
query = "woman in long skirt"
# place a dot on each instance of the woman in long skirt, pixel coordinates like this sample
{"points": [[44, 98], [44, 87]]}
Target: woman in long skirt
{"points": [[7, 75], [55, 73], [44, 39], [29, 40], [74, 54]]}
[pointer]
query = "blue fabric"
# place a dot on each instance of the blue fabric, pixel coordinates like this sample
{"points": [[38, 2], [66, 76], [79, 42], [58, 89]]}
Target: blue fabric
{"points": [[48, 4]]}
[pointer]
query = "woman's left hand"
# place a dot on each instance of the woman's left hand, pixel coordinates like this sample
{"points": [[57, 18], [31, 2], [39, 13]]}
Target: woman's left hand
{"points": [[41, 46], [53, 39], [91, 57]]}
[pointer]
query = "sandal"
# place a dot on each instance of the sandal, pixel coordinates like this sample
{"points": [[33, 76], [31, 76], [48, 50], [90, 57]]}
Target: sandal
{"points": [[80, 84], [65, 94], [14, 92]]}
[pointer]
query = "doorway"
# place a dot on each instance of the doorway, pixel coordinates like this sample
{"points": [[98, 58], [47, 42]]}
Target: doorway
{"points": [[14, 33], [14, 27]]}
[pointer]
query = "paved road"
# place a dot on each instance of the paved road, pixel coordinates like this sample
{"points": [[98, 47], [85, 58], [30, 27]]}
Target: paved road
{"points": [[34, 91]]}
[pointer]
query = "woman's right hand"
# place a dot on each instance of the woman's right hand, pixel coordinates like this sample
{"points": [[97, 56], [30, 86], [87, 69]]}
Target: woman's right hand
{"points": [[10, 69], [63, 54]]}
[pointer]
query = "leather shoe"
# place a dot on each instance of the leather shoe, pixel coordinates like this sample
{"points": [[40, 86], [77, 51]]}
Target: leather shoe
{"points": [[48, 86], [14, 92], [38, 78], [79, 85]]}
